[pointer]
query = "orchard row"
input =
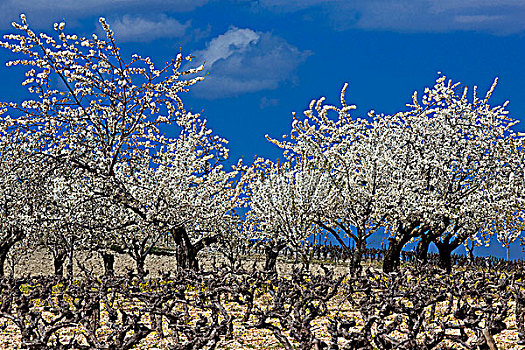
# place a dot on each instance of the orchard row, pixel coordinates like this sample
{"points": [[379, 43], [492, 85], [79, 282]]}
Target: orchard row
{"points": [[86, 165]]}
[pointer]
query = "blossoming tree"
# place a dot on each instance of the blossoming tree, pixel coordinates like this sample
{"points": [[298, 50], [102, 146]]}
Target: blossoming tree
{"points": [[348, 154], [463, 157], [20, 179], [285, 201], [442, 171], [100, 120]]}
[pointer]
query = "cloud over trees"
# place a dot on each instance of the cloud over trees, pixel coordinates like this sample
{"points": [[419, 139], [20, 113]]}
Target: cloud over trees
{"points": [[244, 60]]}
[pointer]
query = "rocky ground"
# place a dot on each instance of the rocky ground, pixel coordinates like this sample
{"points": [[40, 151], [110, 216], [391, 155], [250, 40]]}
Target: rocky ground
{"points": [[40, 262]]}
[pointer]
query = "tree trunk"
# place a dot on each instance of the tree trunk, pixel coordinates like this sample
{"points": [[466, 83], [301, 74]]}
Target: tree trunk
{"points": [[357, 258], [187, 258], [445, 255], [271, 254], [109, 264], [306, 261], [58, 263], [447, 245], [422, 249], [186, 252], [470, 253], [15, 236], [391, 260], [139, 264], [69, 266], [3, 256]]}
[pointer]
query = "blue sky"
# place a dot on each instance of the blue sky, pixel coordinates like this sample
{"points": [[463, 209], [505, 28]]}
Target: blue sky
{"points": [[267, 58]]}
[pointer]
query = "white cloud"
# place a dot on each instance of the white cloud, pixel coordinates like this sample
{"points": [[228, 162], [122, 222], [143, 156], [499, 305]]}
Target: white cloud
{"points": [[41, 13], [138, 29], [242, 61], [233, 41], [494, 16]]}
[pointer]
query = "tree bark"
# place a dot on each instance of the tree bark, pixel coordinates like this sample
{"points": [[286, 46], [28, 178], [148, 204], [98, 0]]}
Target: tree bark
{"points": [[470, 253], [422, 249], [58, 263], [445, 250], [139, 264], [3, 256], [306, 260], [109, 263], [447, 245], [391, 261], [357, 258], [445, 259], [186, 252], [15, 235], [69, 265], [271, 252]]}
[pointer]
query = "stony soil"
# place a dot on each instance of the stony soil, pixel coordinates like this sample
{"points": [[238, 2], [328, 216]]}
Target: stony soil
{"points": [[40, 262]]}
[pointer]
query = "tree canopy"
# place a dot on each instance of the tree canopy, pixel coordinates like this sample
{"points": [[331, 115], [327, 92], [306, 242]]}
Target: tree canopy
{"points": [[86, 164]]}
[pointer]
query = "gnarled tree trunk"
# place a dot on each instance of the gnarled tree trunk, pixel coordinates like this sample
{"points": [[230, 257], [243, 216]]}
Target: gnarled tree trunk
{"points": [[271, 252], [139, 264], [357, 258], [391, 261], [445, 250], [109, 263], [4, 250], [13, 236], [186, 251], [58, 262], [403, 235], [422, 249], [395, 245]]}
